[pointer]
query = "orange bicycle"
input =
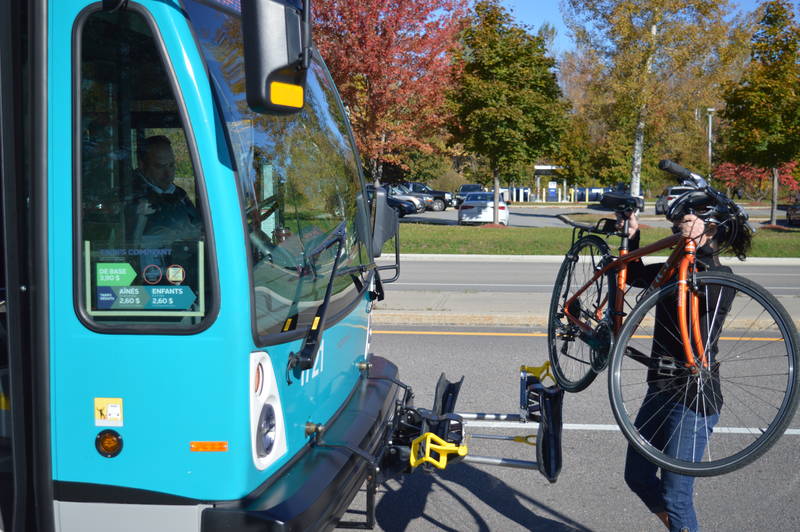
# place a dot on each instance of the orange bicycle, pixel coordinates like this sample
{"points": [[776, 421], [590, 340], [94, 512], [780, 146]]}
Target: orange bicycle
{"points": [[716, 344]]}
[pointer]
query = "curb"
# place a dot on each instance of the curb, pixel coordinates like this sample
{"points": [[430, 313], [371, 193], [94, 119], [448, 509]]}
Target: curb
{"points": [[465, 320], [471, 320]]}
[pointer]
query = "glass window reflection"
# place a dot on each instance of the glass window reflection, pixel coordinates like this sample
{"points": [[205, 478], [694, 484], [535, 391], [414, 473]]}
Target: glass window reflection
{"points": [[299, 178]]}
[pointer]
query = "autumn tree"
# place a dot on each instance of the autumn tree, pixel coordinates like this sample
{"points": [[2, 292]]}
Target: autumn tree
{"points": [[507, 103], [652, 64], [763, 111], [392, 64], [755, 183]]}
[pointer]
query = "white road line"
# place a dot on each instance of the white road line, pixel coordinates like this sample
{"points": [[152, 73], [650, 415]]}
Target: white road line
{"points": [[599, 427], [766, 274], [540, 285], [473, 284]]}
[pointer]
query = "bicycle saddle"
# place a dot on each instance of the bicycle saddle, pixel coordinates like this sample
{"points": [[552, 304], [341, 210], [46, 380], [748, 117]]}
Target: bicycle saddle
{"points": [[621, 201]]}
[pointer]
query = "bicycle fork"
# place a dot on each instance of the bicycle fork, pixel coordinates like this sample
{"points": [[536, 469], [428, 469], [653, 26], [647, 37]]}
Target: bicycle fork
{"points": [[690, 298]]}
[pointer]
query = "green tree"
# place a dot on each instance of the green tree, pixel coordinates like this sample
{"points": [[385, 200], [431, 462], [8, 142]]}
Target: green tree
{"points": [[424, 166], [646, 66], [507, 104], [762, 112]]}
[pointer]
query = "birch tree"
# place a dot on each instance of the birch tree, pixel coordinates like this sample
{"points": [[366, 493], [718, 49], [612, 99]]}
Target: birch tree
{"points": [[660, 60]]}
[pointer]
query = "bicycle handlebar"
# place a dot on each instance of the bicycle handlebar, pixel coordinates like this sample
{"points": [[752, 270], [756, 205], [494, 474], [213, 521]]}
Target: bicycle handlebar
{"points": [[686, 176], [674, 169], [723, 205]]}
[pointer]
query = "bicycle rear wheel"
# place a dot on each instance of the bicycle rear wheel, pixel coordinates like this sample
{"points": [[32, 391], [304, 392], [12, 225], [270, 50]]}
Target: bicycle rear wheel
{"points": [[570, 355], [731, 411]]}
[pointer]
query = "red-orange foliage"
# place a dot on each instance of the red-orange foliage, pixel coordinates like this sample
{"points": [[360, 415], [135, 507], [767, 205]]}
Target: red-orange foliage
{"points": [[391, 61], [756, 183]]}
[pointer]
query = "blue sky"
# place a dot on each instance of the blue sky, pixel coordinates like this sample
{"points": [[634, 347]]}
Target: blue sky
{"points": [[536, 12]]}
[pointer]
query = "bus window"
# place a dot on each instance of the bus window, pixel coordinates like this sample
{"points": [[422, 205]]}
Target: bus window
{"points": [[300, 182], [142, 232]]}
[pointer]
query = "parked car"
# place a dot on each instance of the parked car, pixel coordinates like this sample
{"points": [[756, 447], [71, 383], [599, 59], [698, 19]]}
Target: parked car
{"points": [[441, 199], [463, 190], [394, 191], [793, 214], [426, 199], [478, 208], [400, 205], [667, 197]]}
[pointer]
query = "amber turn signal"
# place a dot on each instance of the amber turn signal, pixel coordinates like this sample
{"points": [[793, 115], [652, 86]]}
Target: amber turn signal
{"points": [[208, 446], [108, 443], [286, 94]]}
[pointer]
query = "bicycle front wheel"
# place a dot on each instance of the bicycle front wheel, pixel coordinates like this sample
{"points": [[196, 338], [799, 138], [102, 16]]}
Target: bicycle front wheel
{"points": [[739, 400], [570, 355]]}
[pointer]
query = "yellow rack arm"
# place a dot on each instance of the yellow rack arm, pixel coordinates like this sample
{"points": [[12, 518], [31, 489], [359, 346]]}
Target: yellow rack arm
{"points": [[530, 439], [540, 372], [431, 443]]}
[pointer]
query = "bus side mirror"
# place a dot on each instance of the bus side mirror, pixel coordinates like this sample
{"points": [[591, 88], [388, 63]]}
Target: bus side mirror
{"points": [[386, 222], [277, 47]]}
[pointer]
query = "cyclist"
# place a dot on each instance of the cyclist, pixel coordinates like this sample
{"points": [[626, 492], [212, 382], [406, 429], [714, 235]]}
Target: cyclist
{"points": [[670, 495]]}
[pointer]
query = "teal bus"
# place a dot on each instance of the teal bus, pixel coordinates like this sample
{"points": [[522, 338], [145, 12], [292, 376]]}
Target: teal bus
{"points": [[188, 267], [188, 272]]}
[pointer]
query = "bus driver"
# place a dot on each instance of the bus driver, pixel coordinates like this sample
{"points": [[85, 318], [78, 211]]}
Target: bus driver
{"points": [[161, 219]]}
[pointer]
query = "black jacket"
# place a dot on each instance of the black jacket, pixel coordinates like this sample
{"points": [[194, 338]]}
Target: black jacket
{"points": [[668, 372]]}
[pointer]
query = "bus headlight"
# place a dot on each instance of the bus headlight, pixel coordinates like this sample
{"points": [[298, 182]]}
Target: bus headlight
{"points": [[267, 432]]}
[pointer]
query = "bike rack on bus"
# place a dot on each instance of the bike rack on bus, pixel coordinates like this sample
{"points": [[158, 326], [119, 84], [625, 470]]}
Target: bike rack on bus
{"points": [[538, 403], [436, 438]]}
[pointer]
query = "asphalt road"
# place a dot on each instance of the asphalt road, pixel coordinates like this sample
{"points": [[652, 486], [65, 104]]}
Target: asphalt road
{"points": [[545, 216], [590, 493], [516, 290], [510, 276]]}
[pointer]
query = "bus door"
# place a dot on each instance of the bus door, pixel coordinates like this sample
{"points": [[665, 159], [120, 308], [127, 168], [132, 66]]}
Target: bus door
{"points": [[21, 339], [148, 387]]}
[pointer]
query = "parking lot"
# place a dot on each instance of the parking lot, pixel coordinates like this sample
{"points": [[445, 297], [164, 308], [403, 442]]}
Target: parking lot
{"points": [[545, 216]]}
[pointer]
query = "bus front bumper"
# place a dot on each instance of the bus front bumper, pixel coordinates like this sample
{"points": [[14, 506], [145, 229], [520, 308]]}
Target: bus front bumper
{"points": [[313, 491]]}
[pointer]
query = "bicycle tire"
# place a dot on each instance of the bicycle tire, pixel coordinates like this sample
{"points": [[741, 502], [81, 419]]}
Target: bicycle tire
{"points": [[751, 381], [571, 360]]}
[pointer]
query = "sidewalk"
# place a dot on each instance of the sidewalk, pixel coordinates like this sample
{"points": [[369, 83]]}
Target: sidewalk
{"points": [[470, 309]]}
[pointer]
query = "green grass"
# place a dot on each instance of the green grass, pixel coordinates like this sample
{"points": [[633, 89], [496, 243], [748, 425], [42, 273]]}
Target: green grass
{"points": [[448, 239]]}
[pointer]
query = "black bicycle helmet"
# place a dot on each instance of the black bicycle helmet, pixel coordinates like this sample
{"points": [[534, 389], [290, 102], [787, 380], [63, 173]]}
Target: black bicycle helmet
{"points": [[733, 231], [697, 202]]}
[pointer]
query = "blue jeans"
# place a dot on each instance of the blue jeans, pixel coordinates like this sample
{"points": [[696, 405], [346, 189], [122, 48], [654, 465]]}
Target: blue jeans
{"points": [[658, 421]]}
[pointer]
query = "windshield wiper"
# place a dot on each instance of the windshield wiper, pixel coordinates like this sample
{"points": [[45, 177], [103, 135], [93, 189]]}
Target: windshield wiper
{"points": [[304, 359]]}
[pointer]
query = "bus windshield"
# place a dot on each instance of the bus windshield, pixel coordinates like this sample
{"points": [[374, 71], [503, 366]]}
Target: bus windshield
{"points": [[299, 179]]}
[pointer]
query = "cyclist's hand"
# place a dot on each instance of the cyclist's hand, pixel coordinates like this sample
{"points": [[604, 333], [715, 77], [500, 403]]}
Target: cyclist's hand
{"points": [[693, 227], [633, 222]]}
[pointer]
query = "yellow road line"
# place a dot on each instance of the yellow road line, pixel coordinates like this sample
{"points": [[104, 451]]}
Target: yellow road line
{"points": [[544, 335], [457, 333], [729, 338]]}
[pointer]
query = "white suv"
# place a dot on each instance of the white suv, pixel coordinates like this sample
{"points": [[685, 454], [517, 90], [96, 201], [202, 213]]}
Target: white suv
{"points": [[668, 196]]}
